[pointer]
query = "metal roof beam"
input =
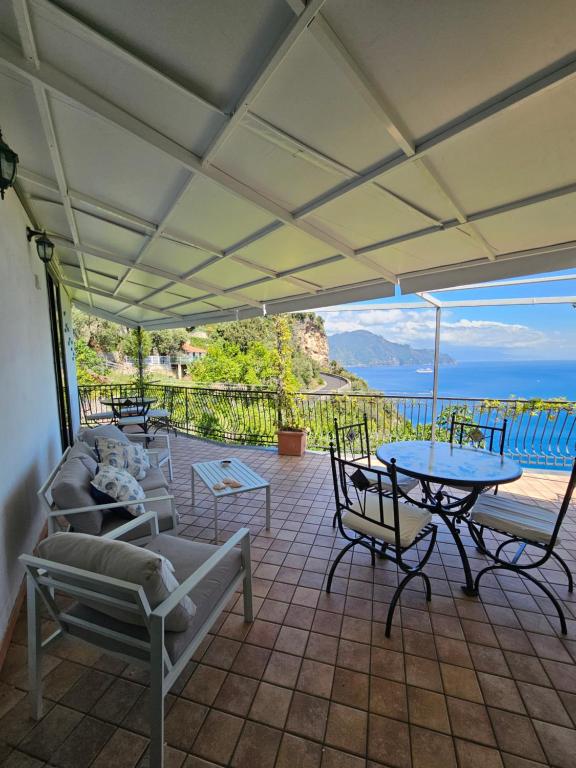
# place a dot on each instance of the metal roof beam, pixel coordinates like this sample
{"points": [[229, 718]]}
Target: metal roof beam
{"points": [[95, 310], [121, 299]]}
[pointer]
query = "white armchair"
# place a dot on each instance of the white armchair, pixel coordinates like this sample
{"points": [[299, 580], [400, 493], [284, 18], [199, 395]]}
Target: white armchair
{"points": [[208, 574]]}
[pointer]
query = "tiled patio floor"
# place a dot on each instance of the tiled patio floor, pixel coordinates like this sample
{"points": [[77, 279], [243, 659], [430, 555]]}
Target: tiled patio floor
{"points": [[313, 682]]}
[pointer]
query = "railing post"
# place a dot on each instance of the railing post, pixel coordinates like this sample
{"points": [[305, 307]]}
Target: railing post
{"points": [[186, 407]]}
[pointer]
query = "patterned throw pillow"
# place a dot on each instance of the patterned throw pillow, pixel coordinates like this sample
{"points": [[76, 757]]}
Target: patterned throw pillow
{"points": [[119, 485], [131, 456]]}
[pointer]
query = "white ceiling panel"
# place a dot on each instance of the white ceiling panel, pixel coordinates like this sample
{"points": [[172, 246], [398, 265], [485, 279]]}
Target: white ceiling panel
{"points": [[174, 257], [331, 275], [435, 61], [285, 249], [532, 227], [226, 274], [109, 237], [107, 163], [527, 150], [214, 48], [66, 45], [215, 215], [20, 123], [311, 99], [278, 173], [52, 216], [365, 216]]}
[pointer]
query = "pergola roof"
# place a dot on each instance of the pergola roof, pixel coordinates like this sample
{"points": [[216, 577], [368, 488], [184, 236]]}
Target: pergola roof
{"points": [[194, 161]]}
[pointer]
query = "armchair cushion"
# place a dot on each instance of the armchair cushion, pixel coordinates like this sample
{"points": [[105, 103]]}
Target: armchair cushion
{"points": [[83, 451], [71, 489], [127, 562], [132, 456], [186, 556], [91, 434], [113, 484]]}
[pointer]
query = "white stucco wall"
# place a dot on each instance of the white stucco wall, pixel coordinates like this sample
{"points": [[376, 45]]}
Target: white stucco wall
{"points": [[30, 444]]}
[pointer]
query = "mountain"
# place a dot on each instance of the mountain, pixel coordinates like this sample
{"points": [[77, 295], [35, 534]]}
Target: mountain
{"points": [[363, 348]]}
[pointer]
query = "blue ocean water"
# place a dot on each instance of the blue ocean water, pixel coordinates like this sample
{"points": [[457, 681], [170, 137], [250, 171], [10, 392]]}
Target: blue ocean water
{"points": [[492, 380]]}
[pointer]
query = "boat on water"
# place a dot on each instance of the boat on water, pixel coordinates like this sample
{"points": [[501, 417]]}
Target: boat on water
{"points": [[425, 370]]}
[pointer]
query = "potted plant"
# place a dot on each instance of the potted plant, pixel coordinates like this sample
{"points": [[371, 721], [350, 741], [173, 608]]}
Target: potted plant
{"points": [[291, 431]]}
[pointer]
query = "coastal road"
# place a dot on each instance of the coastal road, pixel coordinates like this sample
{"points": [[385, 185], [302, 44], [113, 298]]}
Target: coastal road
{"points": [[332, 383]]}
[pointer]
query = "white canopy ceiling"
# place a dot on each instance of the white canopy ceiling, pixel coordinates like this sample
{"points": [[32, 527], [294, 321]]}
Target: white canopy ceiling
{"points": [[196, 159]]}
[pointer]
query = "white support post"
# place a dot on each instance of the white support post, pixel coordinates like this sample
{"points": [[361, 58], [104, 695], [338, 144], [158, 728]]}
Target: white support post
{"points": [[436, 361]]}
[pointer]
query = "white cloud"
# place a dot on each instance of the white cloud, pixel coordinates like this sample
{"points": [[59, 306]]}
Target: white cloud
{"points": [[416, 327]]}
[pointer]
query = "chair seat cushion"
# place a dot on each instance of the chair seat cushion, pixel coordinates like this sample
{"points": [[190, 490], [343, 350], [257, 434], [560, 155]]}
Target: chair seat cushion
{"points": [[527, 521], [162, 508], [100, 416], [411, 519], [186, 556], [158, 413], [113, 559], [154, 480]]}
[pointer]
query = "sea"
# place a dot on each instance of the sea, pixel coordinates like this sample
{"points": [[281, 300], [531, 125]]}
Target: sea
{"points": [[536, 440], [491, 380]]}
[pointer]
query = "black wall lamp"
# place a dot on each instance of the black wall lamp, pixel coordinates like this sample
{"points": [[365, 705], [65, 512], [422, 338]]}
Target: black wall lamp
{"points": [[44, 245], [8, 166]]}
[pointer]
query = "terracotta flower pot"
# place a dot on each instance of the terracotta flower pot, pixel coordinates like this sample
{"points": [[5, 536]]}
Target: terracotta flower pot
{"points": [[291, 442]]}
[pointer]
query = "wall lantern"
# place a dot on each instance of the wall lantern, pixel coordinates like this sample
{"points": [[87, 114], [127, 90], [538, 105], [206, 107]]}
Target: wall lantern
{"points": [[44, 245], [8, 166]]}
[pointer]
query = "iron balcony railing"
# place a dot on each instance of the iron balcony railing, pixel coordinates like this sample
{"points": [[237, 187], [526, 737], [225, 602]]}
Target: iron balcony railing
{"points": [[539, 433]]}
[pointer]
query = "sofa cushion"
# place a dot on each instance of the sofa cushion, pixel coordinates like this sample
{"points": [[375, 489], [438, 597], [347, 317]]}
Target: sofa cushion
{"points": [[89, 435], [118, 485], [163, 510], [124, 561], [71, 489], [132, 457], [154, 480], [82, 450]]}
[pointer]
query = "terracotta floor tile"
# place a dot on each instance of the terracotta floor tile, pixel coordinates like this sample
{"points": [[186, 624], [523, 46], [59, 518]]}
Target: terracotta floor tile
{"points": [[322, 648], [218, 736], [236, 694], [515, 734], [470, 721], [251, 660], [295, 751], [270, 705], [334, 758], [82, 746], [431, 749], [351, 688], [501, 692], [292, 640], [388, 698], [282, 669], [182, 723], [389, 742], [559, 743], [428, 709], [204, 684], [385, 663], [258, 745], [308, 716], [315, 678], [461, 683], [424, 673], [347, 728], [472, 755]]}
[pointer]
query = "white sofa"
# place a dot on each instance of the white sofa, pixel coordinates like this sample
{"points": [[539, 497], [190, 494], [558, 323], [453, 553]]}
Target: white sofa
{"points": [[68, 502]]}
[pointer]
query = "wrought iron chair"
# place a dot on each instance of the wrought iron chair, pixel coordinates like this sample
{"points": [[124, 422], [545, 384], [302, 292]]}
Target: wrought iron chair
{"points": [[526, 525], [89, 414], [209, 574], [353, 444], [161, 413], [131, 412], [375, 517], [478, 435]]}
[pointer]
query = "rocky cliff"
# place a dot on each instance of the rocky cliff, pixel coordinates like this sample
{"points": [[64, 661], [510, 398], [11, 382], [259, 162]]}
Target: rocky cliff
{"points": [[310, 336]]}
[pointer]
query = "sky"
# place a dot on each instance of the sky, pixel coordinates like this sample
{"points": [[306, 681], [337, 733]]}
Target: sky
{"points": [[533, 332]]}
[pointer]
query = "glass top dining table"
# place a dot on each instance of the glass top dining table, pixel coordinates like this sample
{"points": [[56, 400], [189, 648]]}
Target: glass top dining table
{"points": [[444, 468]]}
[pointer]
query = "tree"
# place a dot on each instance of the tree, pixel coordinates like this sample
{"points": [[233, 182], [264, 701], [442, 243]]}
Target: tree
{"points": [[90, 366], [132, 342], [288, 416], [101, 335], [169, 342]]}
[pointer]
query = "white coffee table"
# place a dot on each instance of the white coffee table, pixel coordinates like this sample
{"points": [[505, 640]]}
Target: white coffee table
{"points": [[213, 472]]}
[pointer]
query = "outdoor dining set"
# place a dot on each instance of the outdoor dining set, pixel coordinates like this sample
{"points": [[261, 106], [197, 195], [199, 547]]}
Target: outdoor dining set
{"points": [[387, 506]]}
